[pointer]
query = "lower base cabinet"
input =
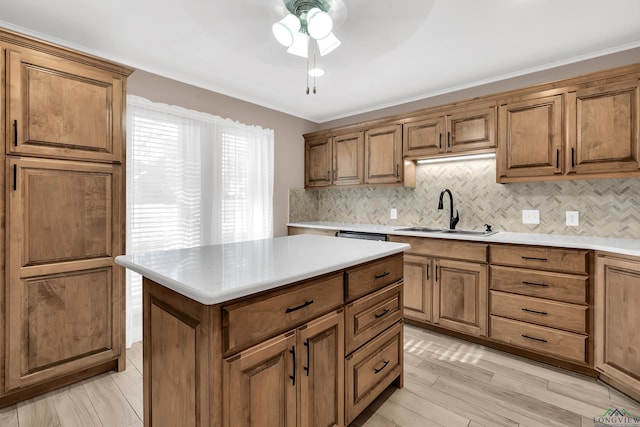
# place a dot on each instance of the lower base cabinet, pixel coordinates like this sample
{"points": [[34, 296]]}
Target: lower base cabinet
{"points": [[314, 353], [617, 321], [418, 288], [264, 384], [373, 368], [460, 296]]}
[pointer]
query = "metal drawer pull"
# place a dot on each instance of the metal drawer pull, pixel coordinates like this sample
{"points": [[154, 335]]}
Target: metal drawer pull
{"points": [[306, 368], [380, 276], [384, 365], [534, 311], [379, 315], [306, 304], [293, 377], [535, 284], [15, 133], [528, 258], [533, 338]]}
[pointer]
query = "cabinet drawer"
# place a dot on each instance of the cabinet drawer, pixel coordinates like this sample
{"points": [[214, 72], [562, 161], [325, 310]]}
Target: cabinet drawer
{"points": [[543, 284], [376, 275], [565, 345], [371, 369], [370, 315], [444, 248], [570, 317], [249, 322], [554, 259]]}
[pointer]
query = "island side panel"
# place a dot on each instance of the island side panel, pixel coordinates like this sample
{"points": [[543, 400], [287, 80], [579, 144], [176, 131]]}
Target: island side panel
{"points": [[181, 354]]}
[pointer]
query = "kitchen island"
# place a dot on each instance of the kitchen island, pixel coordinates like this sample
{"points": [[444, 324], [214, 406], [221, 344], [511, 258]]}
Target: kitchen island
{"points": [[298, 330]]}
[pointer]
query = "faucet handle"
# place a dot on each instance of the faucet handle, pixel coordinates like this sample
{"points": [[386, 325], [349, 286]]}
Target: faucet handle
{"points": [[453, 221], [488, 228]]}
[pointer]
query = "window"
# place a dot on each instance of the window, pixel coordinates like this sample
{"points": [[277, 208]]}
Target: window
{"points": [[192, 179]]}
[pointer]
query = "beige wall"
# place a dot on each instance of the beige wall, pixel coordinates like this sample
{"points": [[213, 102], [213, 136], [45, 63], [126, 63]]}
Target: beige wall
{"points": [[288, 130]]}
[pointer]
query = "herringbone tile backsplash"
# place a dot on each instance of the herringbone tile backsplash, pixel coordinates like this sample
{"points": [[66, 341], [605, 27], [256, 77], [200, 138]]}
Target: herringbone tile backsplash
{"points": [[608, 207]]}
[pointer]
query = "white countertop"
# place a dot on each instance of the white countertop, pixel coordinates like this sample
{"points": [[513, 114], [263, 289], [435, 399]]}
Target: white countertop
{"points": [[219, 273], [619, 246]]}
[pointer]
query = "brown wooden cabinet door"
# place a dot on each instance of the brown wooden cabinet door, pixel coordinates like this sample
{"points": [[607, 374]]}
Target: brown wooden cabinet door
{"points": [[321, 371], [603, 129], [418, 288], [471, 130], [460, 296], [424, 137], [65, 299], [318, 162], [348, 164], [63, 109], [530, 138], [259, 384], [383, 155], [617, 335]]}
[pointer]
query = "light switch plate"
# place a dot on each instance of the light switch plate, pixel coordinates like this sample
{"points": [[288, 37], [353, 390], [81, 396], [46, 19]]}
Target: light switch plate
{"points": [[531, 217], [394, 214], [573, 218]]}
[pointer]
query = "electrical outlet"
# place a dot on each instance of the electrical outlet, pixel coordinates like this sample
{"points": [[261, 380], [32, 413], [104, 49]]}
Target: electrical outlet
{"points": [[573, 218], [394, 214], [531, 217]]}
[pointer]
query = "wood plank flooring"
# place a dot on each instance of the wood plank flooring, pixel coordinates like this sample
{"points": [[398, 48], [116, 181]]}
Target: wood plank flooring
{"points": [[448, 382]]}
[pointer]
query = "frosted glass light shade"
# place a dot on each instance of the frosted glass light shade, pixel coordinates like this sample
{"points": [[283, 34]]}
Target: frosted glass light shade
{"points": [[328, 44], [300, 45], [319, 23], [316, 72], [285, 30]]}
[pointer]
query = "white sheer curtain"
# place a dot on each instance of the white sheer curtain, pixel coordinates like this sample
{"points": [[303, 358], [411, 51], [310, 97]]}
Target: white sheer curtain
{"points": [[192, 179]]}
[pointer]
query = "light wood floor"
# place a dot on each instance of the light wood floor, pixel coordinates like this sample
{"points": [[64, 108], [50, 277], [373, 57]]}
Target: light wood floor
{"points": [[447, 382]]}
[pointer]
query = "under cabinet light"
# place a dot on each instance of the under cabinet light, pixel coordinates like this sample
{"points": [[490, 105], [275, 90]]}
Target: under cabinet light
{"points": [[457, 158]]}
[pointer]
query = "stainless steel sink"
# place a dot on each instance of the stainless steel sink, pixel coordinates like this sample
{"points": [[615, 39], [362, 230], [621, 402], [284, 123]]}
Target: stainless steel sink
{"points": [[445, 230], [470, 232], [421, 229]]}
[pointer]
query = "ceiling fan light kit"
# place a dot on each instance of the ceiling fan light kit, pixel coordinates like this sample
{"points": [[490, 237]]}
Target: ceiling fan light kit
{"points": [[307, 30]]}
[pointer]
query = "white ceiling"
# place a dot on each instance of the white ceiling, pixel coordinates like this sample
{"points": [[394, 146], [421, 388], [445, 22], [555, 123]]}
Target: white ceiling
{"points": [[392, 51]]}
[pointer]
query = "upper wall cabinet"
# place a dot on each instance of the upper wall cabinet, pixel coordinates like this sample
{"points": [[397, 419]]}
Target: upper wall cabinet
{"points": [[361, 157], [603, 128], [583, 131], [530, 137], [41, 121], [383, 155], [318, 164], [348, 159], [467, 130], [586, 127]]}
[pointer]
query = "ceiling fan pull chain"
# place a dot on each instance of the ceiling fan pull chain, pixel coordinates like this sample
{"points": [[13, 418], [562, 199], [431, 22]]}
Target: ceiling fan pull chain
{"points": [[307, 74], [314, 67]]}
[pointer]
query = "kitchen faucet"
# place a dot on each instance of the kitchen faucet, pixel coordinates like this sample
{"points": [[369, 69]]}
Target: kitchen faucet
{"points": [[453, 220]]}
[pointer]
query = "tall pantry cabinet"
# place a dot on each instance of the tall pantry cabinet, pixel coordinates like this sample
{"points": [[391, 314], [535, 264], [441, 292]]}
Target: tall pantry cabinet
{"points": [[63, 209]]}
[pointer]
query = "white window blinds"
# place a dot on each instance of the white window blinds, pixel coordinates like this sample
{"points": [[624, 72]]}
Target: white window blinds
{"points": [[192, 179]]}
